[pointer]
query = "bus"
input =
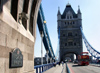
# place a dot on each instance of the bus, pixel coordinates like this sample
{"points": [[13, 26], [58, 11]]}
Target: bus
{"points": [[83, 58]]}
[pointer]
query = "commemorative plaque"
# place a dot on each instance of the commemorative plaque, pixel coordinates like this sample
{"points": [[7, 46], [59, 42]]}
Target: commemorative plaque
{"points": [[16, 58]]}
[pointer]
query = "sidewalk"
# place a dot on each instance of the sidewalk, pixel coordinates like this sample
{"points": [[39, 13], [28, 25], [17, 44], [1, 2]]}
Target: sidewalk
{"points": [[57, 69]]}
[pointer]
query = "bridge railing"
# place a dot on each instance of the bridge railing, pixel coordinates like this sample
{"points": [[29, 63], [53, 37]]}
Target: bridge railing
{"points": [[42, 68]]}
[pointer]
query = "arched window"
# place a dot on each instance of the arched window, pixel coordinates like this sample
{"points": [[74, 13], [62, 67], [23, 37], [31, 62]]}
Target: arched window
{"points": [[14, 8]]}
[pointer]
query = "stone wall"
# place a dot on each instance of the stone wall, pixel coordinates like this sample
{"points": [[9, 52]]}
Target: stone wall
{"points": [[14, 35]]}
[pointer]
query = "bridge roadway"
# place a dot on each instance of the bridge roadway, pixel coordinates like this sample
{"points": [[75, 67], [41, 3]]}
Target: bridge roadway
{"points": [[57, 69], [74, 68]]}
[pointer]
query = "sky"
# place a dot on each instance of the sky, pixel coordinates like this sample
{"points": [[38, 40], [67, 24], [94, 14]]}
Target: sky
{"points": [[90, 22]]}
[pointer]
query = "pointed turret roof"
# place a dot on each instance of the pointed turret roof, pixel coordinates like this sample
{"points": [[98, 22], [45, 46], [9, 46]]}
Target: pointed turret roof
{"points": [[79, 12], [68, 8], [59, 11]]}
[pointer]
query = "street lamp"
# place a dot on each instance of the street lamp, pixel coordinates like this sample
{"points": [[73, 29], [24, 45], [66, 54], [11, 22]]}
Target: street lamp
{"points": [[41, 47], [50, 60], [47, 55]]}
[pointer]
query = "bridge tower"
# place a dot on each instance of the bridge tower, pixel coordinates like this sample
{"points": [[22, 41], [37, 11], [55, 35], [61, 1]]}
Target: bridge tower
{"points": [[69, 24]]}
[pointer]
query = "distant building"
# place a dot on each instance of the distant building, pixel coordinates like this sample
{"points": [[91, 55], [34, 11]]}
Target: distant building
{"points": [[69, 24]]}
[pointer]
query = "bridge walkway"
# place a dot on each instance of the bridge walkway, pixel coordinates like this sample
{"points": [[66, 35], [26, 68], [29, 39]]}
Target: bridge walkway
{"points": [[58, 69]]}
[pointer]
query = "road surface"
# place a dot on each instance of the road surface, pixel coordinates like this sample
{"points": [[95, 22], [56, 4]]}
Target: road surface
{"points": [[75, 68]]}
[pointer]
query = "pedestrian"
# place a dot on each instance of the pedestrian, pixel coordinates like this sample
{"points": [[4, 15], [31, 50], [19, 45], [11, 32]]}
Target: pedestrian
{"points": [[62, 63]]}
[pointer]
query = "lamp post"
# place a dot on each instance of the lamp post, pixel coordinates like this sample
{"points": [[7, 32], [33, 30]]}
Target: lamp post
{"points": [[47, 56], [50, 60], [41, 48]]}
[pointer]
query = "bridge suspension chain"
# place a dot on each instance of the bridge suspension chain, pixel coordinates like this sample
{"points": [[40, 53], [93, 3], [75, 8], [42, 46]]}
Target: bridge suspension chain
{"points": [[91, 50]]}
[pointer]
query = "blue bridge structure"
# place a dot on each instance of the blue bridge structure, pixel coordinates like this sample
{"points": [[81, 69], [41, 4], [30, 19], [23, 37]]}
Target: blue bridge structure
{"points": [[43, 30]]}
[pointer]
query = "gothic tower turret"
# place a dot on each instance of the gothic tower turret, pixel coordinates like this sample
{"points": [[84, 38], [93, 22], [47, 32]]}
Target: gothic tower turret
{"points": [[59, 14], [79, 12], [70, 34]]}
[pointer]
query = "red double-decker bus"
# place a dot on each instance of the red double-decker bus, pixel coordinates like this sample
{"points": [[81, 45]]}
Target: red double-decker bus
{"points": [[83, 58]]}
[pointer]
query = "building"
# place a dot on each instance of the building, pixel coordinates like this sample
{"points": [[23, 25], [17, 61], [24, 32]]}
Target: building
{"points": [[18, 19], [69, 24]]}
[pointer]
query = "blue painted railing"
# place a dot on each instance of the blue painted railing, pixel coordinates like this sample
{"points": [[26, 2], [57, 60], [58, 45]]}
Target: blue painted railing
{"points": [[42, 68]]}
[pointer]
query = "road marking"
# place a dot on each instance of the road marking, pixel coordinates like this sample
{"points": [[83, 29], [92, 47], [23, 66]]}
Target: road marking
{"points": [[70, 69]]}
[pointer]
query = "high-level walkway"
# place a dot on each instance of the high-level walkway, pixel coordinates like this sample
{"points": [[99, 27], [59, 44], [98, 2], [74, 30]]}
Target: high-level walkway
{"points": [[57, 69]]}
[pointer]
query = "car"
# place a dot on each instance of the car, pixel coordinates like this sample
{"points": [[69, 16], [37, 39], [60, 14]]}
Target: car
{"points": [[75, 61], [98, 62]]}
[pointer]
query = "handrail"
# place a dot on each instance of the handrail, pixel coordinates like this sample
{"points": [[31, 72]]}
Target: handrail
{"points": [[42, 68]]}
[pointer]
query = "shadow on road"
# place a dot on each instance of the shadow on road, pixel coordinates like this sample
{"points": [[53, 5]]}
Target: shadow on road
{"points": [[78, 65]]}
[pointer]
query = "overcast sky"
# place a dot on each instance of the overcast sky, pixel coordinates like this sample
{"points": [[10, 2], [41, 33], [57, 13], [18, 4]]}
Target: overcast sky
{"points": [[90, 21]]}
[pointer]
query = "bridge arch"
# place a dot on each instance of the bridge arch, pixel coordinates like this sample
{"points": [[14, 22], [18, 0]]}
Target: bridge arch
{"points": [[69, 54]]}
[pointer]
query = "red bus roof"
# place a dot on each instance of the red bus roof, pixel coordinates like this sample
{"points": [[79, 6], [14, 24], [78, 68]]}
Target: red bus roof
{"points": [[84, 52]]}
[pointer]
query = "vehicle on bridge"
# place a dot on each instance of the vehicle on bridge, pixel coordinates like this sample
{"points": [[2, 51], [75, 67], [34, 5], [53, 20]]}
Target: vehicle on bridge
{"points": [[83, 58]]}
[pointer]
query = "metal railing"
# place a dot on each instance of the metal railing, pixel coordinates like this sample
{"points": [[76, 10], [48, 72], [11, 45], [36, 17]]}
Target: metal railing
{"points": [[42, 68]]}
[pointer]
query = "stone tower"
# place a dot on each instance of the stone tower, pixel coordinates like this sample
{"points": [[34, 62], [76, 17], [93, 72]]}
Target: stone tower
{"points": [[69, 24]]}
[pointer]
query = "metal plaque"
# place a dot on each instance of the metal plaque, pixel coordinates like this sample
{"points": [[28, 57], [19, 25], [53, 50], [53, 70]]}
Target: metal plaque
{"points": [[16, 58]]}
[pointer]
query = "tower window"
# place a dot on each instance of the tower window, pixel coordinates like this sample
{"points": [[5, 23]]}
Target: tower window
{"points": [[70, 43], [74, 44], [73, 22], [76, 34], [65, 44], [65, 22], [63, 34], [67, 17], [70, 17], [69, 34], [68, 23]]}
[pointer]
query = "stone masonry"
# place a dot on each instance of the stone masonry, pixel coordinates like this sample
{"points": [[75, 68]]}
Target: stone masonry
{"points": [[18, 19]]}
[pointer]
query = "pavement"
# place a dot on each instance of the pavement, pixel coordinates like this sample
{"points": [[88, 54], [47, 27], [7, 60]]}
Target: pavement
{"points": [[57, 69]]}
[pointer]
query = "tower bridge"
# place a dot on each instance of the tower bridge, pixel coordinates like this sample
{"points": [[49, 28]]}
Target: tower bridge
{"points": [[69, 24], [18, 20]]}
